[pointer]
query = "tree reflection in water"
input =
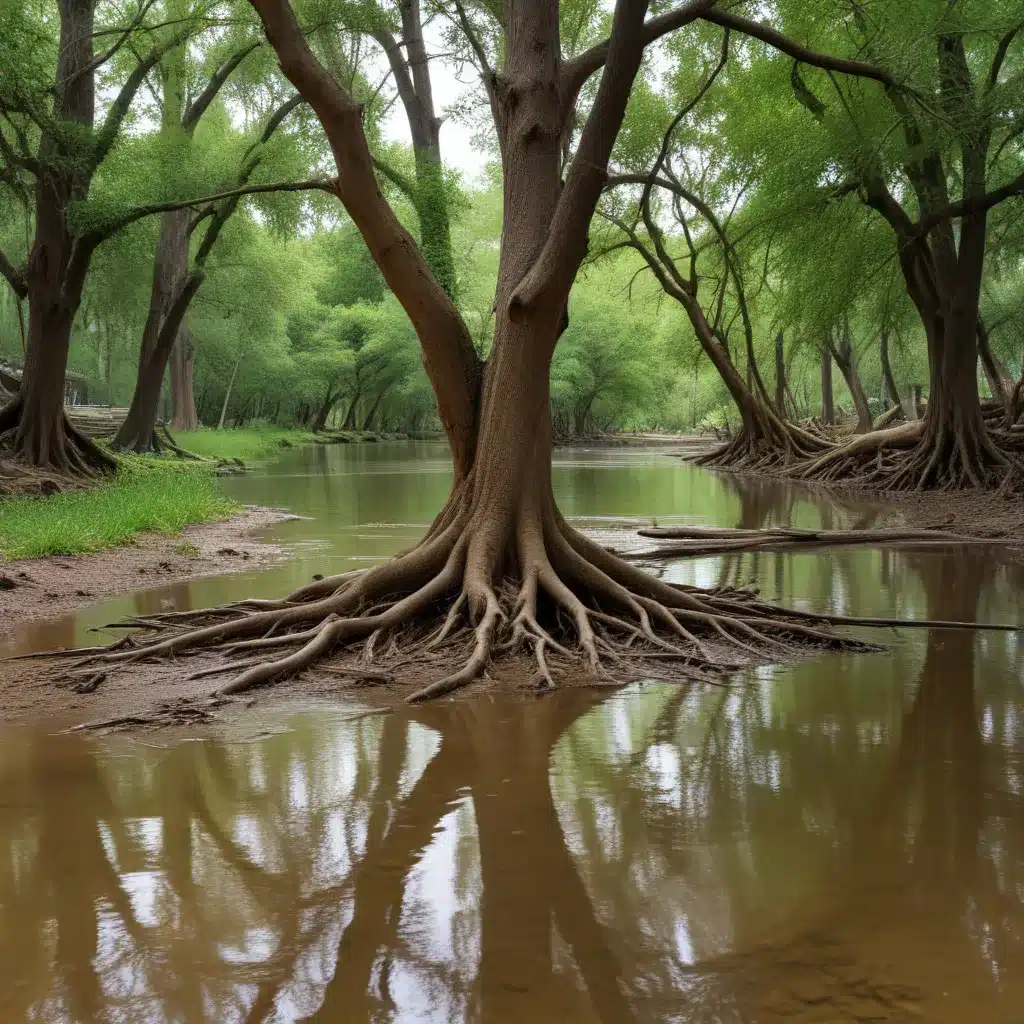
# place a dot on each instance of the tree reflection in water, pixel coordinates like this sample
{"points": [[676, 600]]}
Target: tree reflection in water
{"points": [[841, 840]]}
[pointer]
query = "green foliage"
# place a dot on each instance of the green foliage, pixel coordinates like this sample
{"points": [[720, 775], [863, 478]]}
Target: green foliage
{"points": [[150, 495], [246, 445]]}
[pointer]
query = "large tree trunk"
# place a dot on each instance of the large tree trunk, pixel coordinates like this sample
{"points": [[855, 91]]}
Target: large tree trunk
{"points": [[183, 401]]}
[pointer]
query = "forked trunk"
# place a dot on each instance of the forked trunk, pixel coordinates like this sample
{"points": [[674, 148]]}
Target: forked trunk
{"points": [[846, 359]]}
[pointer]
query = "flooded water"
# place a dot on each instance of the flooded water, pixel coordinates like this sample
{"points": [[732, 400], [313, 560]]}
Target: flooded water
{"points": [[840, 840]]}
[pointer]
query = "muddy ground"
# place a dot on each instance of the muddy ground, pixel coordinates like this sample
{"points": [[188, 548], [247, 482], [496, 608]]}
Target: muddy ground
{"points": [[43, 588]]}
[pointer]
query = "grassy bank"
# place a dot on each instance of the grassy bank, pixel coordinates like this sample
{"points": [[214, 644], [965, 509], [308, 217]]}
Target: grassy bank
{"points": [[247, 444], [147, 495]]}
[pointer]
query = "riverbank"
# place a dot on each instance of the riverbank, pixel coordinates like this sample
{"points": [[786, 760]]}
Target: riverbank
{"points": [[44, 588]]}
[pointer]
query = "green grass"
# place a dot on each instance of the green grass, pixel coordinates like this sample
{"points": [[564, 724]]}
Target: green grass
{"points": [[248, 444], [149, 494]]}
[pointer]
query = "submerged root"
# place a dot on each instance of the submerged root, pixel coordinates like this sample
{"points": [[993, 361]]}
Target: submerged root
{"points": [[571, 608]]}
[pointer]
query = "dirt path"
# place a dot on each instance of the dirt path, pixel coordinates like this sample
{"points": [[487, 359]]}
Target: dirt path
{"points": [[45, 588]]}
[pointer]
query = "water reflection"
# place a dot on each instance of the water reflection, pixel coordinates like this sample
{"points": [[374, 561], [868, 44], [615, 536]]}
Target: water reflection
{"points": [[836, 841]]}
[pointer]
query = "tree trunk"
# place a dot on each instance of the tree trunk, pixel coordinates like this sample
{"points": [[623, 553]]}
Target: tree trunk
{"points": [[828, 410], [227, 394], [139, 428], [349, 422], [371, 417], [330, 399], [892, 392], [780, 375], [846, 360], [57, 264], [183, 402]]}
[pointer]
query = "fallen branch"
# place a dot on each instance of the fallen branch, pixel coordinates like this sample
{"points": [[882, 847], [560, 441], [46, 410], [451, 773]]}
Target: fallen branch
{"points": [[708, 540]]}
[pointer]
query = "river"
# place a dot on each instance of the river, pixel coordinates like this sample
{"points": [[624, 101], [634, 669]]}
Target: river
{"points": [[837, 840]]}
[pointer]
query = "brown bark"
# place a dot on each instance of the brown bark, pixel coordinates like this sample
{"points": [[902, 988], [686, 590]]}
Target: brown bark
{"points": [[846, 359], [891, 391], [780, 374], [57, 265], [183, 402], [828, 412]]}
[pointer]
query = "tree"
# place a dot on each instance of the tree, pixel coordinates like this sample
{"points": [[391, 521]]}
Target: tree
{"points": [[765, 439], [165, 323], [175, 284], [59, 169], [903, 156], [499, 556]]}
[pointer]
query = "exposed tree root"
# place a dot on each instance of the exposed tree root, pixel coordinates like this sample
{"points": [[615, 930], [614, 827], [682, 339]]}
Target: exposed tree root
{"points": [[62, 449], [699, 540], [910, 457], [568, 604], [771, 446]]}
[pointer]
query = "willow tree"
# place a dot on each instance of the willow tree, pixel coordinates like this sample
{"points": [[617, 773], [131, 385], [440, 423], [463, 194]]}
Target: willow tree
{"points": [[499, 568], [702, 189], [52, 146], [181, 109], [935, 162]]}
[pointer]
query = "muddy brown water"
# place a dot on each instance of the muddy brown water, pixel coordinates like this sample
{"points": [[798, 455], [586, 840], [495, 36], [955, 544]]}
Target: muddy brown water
{"points": [[839, 840]]}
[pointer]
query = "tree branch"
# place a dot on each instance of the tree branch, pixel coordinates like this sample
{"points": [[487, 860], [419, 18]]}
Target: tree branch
{"points": [[101, 58], [974, 205], [399, 180], [486, 71], [123, 101], [575, 72], [15, 277], [1000, 56], [99, 234], [200, 104], [774, 38]]}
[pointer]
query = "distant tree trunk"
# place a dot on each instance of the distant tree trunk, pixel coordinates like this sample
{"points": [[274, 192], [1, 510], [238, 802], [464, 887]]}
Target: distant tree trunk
{"points": [[350, 416], [828, 410], [166, 312], [183, 401], [892, 392], [846, 360], [780, 375], [1000, 382], [371, 416], [330, 400], [581, 414], [227, 394]]}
